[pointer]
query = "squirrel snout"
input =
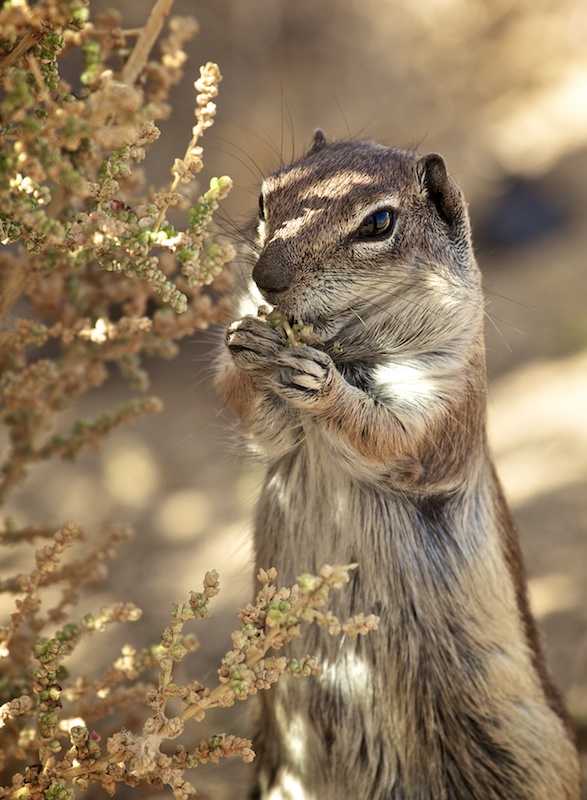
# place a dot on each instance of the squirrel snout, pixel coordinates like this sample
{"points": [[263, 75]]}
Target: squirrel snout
{"points": [[273, 272]]}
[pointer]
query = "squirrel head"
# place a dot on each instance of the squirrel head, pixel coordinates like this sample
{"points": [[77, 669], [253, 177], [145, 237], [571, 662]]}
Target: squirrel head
{"points": [[355, 225]]}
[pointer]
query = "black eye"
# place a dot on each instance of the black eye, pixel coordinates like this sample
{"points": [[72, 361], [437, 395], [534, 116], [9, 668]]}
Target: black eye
{"points": [[377, 225], [261, 207]]}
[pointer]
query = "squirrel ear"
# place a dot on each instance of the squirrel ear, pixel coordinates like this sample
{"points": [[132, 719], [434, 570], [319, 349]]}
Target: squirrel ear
{"points": [[318, 143], [440, 188]]}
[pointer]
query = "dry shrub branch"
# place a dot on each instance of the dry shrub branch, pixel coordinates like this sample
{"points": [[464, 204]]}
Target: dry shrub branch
{"points": [[50, 722], [94, 276]]}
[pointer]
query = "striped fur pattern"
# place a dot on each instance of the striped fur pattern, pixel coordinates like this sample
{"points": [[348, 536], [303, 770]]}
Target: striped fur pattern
{"points": [[375, 444]]}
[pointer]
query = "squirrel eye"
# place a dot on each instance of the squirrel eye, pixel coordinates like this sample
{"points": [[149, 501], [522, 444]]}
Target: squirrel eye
{"points": [[261, 207], [377, 225]]}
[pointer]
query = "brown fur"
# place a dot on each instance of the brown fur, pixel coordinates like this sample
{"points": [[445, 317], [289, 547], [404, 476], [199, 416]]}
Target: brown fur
{"points": [[376, 452]]}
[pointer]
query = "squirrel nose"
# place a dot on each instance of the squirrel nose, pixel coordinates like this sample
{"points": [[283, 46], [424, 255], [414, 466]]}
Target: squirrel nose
{"points": [[273, 271]]}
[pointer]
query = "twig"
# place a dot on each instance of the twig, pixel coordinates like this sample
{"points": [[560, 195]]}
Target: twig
{"points": [[145, 42], [207, 88], [11, 282], [35, 71], [23, 45]]}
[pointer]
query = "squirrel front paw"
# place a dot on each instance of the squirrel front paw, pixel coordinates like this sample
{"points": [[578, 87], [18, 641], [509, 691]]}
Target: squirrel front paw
{"points": [[253, 344], [301, 375], [304, 375]]}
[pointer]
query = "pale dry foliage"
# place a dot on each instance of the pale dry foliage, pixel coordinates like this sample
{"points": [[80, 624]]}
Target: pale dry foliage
{"points": [[93, 276]]}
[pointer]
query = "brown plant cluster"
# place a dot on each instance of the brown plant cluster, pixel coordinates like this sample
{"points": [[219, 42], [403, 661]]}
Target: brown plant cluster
{"points": [[93, 275], [47, 729]]}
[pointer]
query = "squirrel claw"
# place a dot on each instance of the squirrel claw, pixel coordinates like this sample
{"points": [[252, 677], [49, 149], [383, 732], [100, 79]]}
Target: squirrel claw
{"points": [[304, 374]]}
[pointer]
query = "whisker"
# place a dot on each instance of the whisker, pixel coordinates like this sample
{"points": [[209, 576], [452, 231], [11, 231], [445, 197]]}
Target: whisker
{"points": [[488, 291], [358, 316], [256, 171], [290, 125]]}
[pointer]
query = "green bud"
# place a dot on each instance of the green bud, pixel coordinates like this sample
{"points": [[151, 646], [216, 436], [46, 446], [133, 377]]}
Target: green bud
{"points": [[177, 652], [89, 622], [309, 583]]}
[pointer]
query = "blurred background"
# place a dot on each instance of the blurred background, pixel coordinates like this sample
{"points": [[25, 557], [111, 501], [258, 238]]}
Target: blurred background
{"points": [[499, 87]]}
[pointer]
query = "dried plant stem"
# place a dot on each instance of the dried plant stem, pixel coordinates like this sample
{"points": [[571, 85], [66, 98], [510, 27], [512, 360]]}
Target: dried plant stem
{"points": [[32, 37], [67, 775], [146, 40], [207, 88], [12, 280], [296, 613], [35, 70], [174, 184], [13, 474]]}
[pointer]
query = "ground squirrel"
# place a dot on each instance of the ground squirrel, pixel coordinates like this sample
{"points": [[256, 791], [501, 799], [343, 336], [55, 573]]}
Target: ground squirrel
{"points": [[374, 436]]}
